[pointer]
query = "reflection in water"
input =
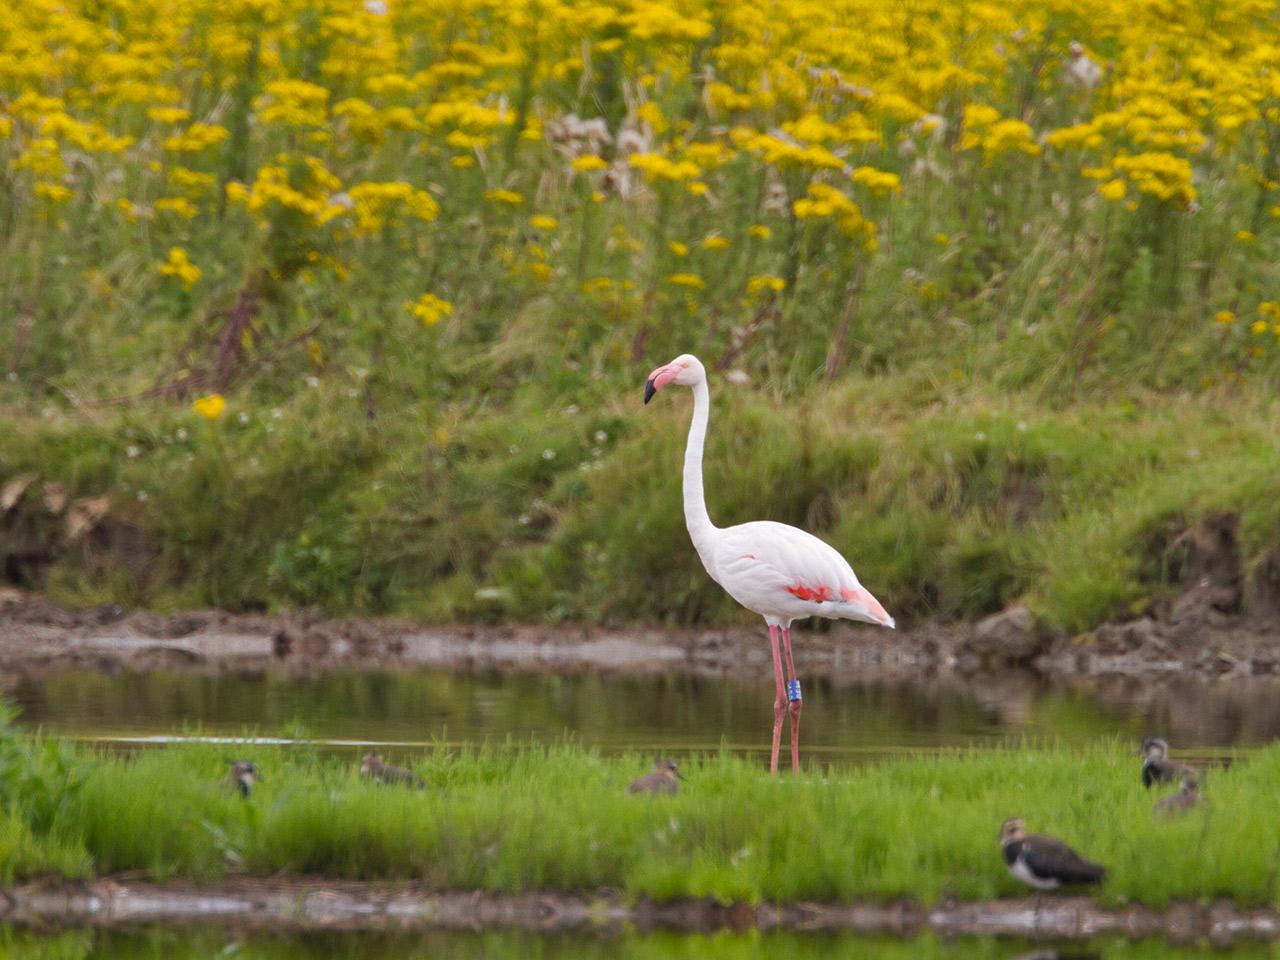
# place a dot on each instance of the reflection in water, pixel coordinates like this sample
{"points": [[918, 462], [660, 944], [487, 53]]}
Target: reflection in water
{"points": [[673, 714], [185, 944]]}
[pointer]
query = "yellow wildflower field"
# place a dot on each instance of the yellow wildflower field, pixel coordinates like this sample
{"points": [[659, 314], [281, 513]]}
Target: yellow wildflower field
{"points": [[689, 169]]}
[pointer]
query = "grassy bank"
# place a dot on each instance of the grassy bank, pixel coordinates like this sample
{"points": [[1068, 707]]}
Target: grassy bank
{"points": [[510, 819], [950, 501]]}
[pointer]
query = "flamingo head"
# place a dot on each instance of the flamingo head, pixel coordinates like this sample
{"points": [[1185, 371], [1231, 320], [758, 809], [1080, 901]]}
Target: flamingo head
{"points": [[685, 370]]}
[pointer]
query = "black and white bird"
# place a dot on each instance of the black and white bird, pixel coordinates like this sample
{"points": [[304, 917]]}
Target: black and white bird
{"points": [[1156, 765], [664, 778], [242, 776], [1043, 862], [1188, 796]]}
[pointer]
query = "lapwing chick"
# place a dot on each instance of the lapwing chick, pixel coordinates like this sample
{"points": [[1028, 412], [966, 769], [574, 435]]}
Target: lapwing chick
{"points": [[663, 778], [373, 766], [1043, 862], [1188, 796], [1156, 765], [243, 775]]}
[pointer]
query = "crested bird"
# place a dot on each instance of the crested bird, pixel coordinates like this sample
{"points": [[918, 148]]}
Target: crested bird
{"points": [[1156, 765], [1043, 862], [243, 775], [664, 778], [373, 766], [1188, 796], [777, 571]]}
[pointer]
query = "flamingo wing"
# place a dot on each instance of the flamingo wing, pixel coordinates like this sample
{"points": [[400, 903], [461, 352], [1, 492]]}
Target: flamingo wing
{"points": [[783, 572]]}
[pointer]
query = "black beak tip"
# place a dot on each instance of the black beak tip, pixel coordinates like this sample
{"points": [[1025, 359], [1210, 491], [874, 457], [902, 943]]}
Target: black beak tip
{"points": [[649, 390]]}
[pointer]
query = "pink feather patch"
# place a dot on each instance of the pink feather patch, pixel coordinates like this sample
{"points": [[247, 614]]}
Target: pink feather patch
{"points": [[862, 597]]}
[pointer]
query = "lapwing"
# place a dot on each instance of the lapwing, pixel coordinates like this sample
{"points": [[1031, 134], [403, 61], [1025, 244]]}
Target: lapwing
{"points": [[373, 766], [1188, 796], [1043, 862], [243, 775], [664, 778], [1156, 765]]}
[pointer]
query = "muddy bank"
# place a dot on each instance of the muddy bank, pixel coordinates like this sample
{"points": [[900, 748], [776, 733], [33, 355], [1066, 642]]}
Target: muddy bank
{"points": [[1186, 640], [317, 904]]}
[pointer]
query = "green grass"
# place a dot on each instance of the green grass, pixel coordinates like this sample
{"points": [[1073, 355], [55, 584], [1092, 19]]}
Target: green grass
{"points": [[517, 818]]}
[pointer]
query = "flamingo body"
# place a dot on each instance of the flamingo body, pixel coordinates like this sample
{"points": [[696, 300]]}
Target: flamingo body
{"points": [[777, 571], [784, 574]]}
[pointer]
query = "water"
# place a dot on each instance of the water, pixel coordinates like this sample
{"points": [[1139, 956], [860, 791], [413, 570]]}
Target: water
{"points": [[672, 714], [198, 944]]}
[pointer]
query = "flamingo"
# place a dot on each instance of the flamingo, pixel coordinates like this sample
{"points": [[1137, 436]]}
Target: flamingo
{"points": [[775, 570]]}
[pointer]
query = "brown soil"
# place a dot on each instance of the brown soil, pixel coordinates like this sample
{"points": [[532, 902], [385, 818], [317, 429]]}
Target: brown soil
{"points": [[290, 903], [37, 636]]}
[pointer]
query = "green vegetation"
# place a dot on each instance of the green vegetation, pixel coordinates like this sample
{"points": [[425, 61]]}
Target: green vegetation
{"points": [[518, 818], [170, 944]]}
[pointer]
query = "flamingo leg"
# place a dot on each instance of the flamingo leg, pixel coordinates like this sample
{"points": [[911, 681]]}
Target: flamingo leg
{"points": [[780, 700], [795, 705]]}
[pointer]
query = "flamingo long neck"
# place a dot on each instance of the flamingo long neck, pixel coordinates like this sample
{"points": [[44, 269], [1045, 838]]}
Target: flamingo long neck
{"points": [[701, 530]]}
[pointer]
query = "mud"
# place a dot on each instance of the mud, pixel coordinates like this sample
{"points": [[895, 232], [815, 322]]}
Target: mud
{"points": [[37, 636], [289, 903]]}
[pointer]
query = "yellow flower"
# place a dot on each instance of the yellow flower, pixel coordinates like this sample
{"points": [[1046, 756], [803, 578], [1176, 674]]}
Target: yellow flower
{"points": [[759, 231], [53, 192], [1259, 326], [542, 222], [879, 182], [197, 137], [509, 197], [1246, 236], [690, 280], [657, 167], [211, 407], [177, 205], [179, 266], [430, 309], [1113, 189], [678, 248], [1225, 317], [715, 242], [759, 284], [589, 162]]}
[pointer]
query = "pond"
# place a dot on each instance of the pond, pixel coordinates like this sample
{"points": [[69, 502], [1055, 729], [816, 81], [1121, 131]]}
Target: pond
{"points": [[674, 714], [190, 944]]}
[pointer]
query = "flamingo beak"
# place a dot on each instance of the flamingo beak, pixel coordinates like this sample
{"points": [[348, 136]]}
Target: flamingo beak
{"points": [[659, 377]]}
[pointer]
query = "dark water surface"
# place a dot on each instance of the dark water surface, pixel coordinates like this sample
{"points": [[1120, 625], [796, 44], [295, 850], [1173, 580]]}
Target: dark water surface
{"points": [[673, 714], [186, 944]]}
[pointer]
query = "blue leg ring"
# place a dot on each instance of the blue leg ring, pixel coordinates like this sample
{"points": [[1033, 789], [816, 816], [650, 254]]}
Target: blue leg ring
{"points": [[793, 691]]}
